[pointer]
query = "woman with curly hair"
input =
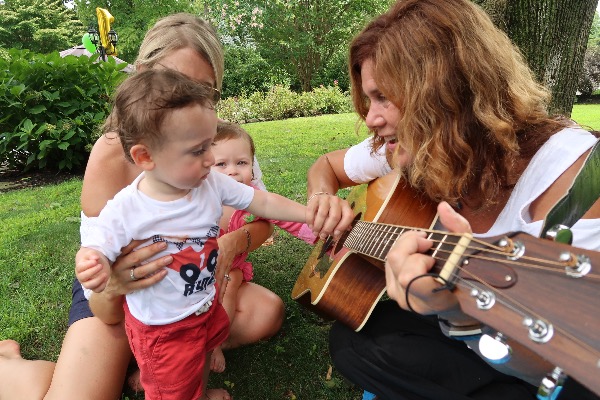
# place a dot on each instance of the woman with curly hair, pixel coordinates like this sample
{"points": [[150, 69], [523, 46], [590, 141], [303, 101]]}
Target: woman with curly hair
{"points": [[455, 110]]}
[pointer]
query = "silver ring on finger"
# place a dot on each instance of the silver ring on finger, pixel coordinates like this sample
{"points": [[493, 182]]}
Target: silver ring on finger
{"points": [[132, 275], [227, 277]]}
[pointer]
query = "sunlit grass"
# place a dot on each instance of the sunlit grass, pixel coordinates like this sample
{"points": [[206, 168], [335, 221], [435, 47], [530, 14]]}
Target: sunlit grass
{"points": [[587, 115]]}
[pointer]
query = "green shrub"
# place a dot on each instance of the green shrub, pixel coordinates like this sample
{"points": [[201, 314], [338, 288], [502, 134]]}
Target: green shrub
{"points": [[247, 72], [280, 102], [52, 108]]}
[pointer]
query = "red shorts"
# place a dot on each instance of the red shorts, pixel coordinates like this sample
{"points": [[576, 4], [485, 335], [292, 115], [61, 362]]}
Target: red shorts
{"points": [[172, 357]]}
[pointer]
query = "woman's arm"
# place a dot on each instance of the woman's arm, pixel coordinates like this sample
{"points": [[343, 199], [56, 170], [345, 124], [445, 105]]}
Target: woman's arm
{"points": [[325, 177], [243, 240], [327, 174]]}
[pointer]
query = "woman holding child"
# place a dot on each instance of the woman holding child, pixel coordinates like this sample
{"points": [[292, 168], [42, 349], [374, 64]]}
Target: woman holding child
{"points": [[95, 356], [167, 124]]}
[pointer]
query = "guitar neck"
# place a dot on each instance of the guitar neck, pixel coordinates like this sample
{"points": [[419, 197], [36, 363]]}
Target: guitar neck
{"points": [[375, 240]]}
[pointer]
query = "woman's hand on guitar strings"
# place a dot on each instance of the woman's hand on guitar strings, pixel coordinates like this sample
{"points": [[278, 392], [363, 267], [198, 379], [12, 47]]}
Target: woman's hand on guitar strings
{"points": [[406, 261]]}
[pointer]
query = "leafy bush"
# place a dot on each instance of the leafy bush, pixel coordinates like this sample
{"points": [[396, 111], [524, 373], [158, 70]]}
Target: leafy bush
{"points": [[247, 72], [336, 70], [280, 103], [52, 108]]}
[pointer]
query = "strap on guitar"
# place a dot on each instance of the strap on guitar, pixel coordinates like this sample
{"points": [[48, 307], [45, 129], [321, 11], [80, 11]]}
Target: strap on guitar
{"points": [[583, 193]]}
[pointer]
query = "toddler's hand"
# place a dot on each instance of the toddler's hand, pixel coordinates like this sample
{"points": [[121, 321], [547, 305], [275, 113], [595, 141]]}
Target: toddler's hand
{"points": [[328, 215], [91, 270]]}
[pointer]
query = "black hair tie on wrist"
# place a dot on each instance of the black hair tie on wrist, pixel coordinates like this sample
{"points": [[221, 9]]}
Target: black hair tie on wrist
{"points": [[447, 285]]}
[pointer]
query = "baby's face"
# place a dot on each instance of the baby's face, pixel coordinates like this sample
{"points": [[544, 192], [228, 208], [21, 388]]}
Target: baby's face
{"points": [[233, 157]]}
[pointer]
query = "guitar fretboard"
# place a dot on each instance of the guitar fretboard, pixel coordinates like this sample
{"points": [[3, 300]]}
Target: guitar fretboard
{"points": [[375, 240]]}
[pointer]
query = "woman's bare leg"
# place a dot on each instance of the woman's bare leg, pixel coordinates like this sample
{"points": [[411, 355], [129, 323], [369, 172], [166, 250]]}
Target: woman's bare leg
{"points": [[91, 365], [259, 315], [92, 362], [20, 378]]}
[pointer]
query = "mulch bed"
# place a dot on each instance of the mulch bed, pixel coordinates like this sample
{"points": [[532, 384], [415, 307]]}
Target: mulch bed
{"points": [[15, 180]]}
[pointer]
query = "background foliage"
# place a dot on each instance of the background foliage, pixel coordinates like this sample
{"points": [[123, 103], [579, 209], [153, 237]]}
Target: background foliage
{"points": [[41, 26], [589, 79], [52, 108], [302, 44], [280, 103], [50, 120], [283, 59]]}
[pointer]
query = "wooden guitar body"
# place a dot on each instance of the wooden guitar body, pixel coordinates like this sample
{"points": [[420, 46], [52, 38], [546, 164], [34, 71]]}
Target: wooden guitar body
{"points": [[347, 286]]}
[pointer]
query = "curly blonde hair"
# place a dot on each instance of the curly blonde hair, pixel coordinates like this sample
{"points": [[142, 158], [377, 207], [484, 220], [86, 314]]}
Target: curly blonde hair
{"points": [[472, 114]]}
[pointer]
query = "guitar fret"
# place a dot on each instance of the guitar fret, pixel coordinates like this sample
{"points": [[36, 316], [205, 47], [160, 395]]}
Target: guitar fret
{"points": [[370, 245], [381, 243], [439, 246], [376, 251], [372, 239]]}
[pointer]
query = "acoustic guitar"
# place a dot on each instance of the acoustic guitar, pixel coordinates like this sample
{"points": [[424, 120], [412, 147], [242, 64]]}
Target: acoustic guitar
{"points": [[346, 286], [540, 293]]}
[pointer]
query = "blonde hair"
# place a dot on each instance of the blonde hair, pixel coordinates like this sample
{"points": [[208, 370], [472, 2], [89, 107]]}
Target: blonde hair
{"points": [[179, 31], [230, 130], [143, 100], [470, 108]]}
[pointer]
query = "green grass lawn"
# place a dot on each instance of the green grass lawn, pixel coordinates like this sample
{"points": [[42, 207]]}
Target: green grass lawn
{"points": [[40, 235], [587, 115]]}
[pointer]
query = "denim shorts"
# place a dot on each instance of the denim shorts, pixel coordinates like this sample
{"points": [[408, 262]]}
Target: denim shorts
{"points": [[80, 306]]}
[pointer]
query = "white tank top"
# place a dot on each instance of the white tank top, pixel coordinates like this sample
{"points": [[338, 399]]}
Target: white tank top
{"points": [[553, 158]]}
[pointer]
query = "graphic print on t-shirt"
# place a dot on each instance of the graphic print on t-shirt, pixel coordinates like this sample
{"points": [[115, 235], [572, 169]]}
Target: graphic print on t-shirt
{"points": [[196, 268]]}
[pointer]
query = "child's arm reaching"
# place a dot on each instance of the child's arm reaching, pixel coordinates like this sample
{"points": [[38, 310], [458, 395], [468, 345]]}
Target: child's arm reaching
{"points": [[92, 269], [273, 206]]}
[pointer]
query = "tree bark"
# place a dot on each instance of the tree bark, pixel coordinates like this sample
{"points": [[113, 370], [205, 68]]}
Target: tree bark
{"points": [[552, 35]]}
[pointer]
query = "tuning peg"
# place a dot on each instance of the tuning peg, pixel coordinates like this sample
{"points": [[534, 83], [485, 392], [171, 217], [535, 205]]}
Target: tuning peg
{"points": [[539, 330], [551, 385], [560, 233], [576, 266], [495, 349], [484, 299], [514, 250]]}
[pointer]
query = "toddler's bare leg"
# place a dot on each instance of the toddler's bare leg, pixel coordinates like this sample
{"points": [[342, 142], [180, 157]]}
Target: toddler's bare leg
{"points": [[258, 316]]}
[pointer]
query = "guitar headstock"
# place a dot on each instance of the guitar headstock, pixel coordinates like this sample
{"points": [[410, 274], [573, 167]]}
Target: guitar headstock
{"points": [[543, 294]]}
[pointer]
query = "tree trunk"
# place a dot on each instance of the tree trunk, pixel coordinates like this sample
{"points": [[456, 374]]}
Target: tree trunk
{"points": [[552, 35]]}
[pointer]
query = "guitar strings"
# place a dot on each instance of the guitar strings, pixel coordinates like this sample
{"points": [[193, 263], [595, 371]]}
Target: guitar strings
{"points": [[491, 249], [506, 300]]}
